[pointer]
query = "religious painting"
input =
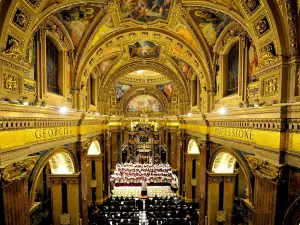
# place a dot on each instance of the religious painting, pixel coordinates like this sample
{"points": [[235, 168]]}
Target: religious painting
{"points": [[121, 89], [144, 50], [144, 102], [105, 64], [183, 66], [252, 61], [31, 59], [210, 23], [145, 10], [77, 19], [184, 32], [166, 90]]}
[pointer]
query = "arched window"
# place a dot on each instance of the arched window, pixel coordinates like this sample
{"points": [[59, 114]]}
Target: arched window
{"points": [[52, 59], [233, 70]]}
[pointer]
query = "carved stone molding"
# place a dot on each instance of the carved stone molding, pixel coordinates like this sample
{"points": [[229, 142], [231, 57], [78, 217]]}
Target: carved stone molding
{"points": [[95, 158], [263, 168], [18, 170], [258, 124]]}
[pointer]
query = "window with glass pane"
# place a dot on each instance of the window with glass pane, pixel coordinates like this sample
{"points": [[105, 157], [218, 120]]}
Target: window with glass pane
{"points": [[233, 70], [52, 67]]}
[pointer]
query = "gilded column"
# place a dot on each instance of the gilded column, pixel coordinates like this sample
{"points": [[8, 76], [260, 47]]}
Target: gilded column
{"points": [[108, 152], [56, 197], [229, 188], [204, 147], [180, 138], [89, 179], [72, 182], [114, 149], [213, 197], [14, 204], [99, 179], [174, 150], [84, 182], [188, 178], [266, 201]]}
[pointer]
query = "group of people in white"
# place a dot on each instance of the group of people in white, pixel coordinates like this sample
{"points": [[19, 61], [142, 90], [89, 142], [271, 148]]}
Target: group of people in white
{"points": [[129, 173]]}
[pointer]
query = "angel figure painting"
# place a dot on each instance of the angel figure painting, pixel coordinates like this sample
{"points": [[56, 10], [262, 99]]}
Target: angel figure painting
{"points": [[210, 23], [145, 10], [77, 19], [144, 50]]}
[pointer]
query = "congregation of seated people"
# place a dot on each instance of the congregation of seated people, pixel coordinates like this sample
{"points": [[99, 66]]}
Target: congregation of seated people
{"points": [[115, 211], [162, 211], [159, 211]]}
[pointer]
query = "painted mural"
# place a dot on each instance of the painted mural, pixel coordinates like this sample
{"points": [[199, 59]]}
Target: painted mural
{"points": [[145, 10], [144, 50], [147, 102], [184, 32], [31, 59], [121, 89], [105, 64], [184, 66], [252, 62], [210, 23], [166, 90], [77, 19], [106, 27]]}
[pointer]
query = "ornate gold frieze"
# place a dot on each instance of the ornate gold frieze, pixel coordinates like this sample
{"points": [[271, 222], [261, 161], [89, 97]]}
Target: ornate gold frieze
{"points": [[29, 87], [21, 18], [250, 6], [269, 86], [12, 81], [18, 170], [21, 123], [253, 90], [268, 55], [263, 168], [262, 25], [258, 124], [14, 49]]}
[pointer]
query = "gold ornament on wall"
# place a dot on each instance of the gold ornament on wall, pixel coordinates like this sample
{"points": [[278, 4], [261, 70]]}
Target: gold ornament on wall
{"points": [[13, 49], [268, 55]]}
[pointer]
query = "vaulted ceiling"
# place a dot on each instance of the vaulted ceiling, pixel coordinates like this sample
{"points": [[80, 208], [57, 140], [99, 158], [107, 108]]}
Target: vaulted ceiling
{"points": [[171, 44]]}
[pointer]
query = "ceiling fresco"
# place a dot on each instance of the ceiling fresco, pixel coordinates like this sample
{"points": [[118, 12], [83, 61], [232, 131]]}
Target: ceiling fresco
{"points": [[145, 10], [144, 102], [144, 50], [166, 90], [77, 20], [210, 23]]}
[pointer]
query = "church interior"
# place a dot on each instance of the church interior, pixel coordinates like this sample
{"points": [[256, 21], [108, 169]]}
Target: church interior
{"points": [[150, 112]]}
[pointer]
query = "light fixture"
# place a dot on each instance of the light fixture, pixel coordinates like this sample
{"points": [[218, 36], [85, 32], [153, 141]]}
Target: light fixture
{"points": [[223, 111], [24, 101], [256, 103], [63, 109], [190, 114], [140, 72], [97, 114]]}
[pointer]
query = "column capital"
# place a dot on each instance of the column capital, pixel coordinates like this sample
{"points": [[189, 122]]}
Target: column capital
{"points": [[96, 158], [18, 170], [58, 179], [263, 168], [108, 136], [219, 177], [84, 145]]}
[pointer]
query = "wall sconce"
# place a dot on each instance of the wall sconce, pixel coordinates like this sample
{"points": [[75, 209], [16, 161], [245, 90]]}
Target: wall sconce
{"points": [[24, 101]]}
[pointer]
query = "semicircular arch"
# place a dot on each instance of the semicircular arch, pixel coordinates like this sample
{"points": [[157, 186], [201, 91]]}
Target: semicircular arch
{"points": [[228, 155], [41, 163]]}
